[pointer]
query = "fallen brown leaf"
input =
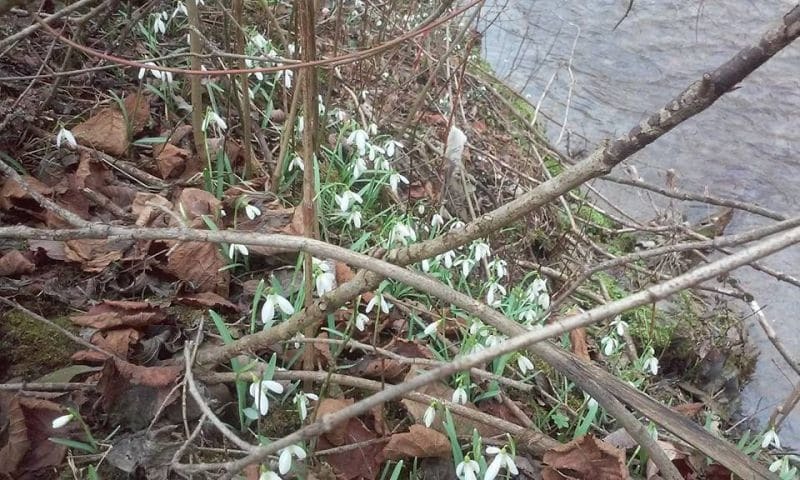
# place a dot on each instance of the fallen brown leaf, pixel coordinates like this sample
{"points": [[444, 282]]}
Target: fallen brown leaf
{"points": [[110, 130], [360, 463], [171, 160], [15, 263], [201, 265], [120, 313], [118, 341], [418, 442], [12, 194], [343, 273], [208, 300], [17, 442], [148, 208], [580, 348], [379, 367], [585, 457], [94, 255], [195, 203], [43, 454], [338, 434]]}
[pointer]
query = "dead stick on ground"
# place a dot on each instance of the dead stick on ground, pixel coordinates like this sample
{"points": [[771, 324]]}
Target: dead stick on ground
{"points": [[308, 41]]}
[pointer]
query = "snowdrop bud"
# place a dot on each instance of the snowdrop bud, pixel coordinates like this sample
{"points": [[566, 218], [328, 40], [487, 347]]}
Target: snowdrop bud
{"points": [[430, 414], [59, 422]]}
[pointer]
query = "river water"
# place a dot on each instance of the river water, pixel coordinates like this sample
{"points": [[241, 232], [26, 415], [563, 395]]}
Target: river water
{"points": [[745, 146]]}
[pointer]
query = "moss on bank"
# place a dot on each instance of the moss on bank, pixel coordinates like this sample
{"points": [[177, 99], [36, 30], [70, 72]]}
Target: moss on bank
{"points": [[29, 348]]}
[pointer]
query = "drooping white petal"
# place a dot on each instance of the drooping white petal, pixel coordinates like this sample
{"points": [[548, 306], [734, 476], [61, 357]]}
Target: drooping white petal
{"points": [[430, 414], [268, 311], [285, 461], [59, 422], [284, 304], [493, 469], [252, 211], [269, 475]]}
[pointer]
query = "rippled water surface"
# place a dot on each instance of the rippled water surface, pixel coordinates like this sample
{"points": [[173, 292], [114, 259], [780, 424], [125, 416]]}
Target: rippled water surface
{"points": [[746, 146]]}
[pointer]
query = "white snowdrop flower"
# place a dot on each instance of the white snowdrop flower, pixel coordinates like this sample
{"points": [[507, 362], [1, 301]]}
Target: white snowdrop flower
{"points": [[180, 8], [297, 162], [384, 165], [524, 363], [776, 465], [431, 329], [502, 460], [480, 250], [429, 415], [391, 146], [346, 199], [457, 225], [222, 212], [285, 458], [447, 258], [372, 128], [301, 400], [770, 438], [493, 340], [378, 300], [395, 179], [324, 276], [468, 469], [536, 288], [354, 218], [259, 41], [167, 77], [259, 76], [251, 211], [403, 232], [361, 322], [460, 396], [360, 139], [287, 76], [269, 475], [437, 220], [620, 325], [213, 118], [495, 293], [528, 315], [466, 264], [237, 247], [268, 309], [609, 344], [340, 115], [544, 301], [374, 151], [651, 365], [321, 109], [258, 390], [500, 268], [66, 137], [475, 327], [158, 25], [301, 124], [359, 167], [426, 265], [59, 422]]}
